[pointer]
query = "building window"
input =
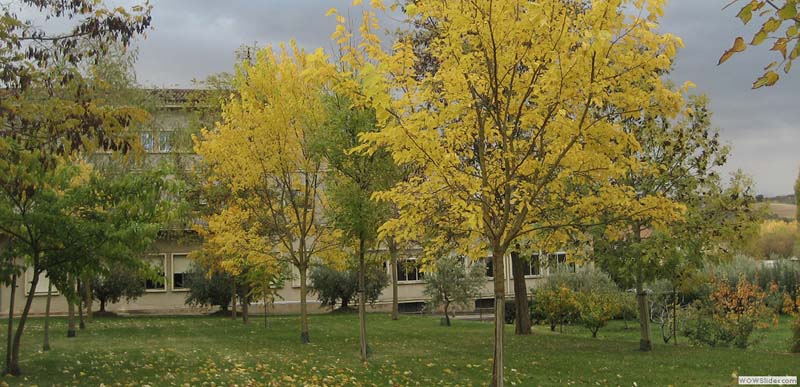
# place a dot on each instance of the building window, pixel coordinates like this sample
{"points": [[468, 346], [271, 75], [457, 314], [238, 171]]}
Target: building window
{"points": [[41, 286], [533, 267], [147, 140], [165, 142], [559, 261], [157, 262], [408, 270], [180, 266], [489, 267]]}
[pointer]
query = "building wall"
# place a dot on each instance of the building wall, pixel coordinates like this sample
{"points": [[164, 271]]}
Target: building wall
{"points": [[171, 299], [159, 144]]}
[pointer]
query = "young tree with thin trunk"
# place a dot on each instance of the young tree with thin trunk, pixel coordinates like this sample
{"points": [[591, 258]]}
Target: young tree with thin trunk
{"points": [[682, 157], [262, 153], [391, 245], [115, 284], [46, 340], [49, 111], [352, 180], [452, 282], [514, 117]]}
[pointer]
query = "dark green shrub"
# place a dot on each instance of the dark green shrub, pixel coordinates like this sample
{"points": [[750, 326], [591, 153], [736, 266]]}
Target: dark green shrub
{"points": [[511, 312], [119, 283], [334, 287], [208, 290], [699, 326]]}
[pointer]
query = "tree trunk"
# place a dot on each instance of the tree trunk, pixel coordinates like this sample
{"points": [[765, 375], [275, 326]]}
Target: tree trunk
{"points": [[46, 344], [245, 310], [674, 316], [233, 302], [345, 303], [523, 320], [82, 323], [88, 300], [266, 322], [304, 338], [362, 301], [10, 321], [393, 271], [645, 342], [71, 311], [102, 305], [13, 367], [499, 314], [447, 313]]}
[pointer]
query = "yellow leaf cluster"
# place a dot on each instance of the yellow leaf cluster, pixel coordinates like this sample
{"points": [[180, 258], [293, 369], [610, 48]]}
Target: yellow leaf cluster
{"points": [[526, 105], [261, 152]]}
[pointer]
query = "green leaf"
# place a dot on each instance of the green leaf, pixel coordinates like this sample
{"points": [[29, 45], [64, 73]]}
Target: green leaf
{"points": [[771, 25], [768, 79], [758, 38], [795, 52], [746, 13], [738, 46], [789, 11], [791, 31]]}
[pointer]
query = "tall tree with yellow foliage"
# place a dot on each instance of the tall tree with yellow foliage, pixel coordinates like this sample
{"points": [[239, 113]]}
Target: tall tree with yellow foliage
{"points": [[262, 152], [524, 107]]}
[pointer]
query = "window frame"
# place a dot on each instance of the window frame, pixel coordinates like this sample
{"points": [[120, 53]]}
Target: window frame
{"points": [[151, 141], [164, 263], [420, 277], [27, 277], [488, 263], [530, 266], [162, 136], [172, 269]]}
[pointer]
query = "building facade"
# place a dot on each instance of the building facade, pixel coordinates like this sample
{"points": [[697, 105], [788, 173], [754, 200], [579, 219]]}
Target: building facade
{"points": [[170, 256]]}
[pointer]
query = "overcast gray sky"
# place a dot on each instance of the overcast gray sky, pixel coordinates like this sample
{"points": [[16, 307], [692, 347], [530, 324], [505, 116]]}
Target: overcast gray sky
{"points": [[195, 38]]}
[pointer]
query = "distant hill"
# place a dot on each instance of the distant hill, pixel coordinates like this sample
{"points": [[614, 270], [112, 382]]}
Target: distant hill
{"points": [[781, 210], [780, 207], [785, 199]]}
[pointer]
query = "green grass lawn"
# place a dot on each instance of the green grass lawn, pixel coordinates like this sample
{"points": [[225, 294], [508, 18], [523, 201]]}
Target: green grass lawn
{"points": [[412, 351]]}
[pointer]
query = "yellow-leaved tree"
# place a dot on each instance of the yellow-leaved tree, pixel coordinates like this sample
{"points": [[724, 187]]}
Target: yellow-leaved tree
{"points": [[234, 243], [262, 152], [516, 130]]}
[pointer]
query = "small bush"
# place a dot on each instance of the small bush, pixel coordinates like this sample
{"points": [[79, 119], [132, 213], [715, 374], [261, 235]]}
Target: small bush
{"points": [[780, 277], [336, 287], [597, 308], [728, 316], [208, 289], [558, 306], [794, 341]]}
